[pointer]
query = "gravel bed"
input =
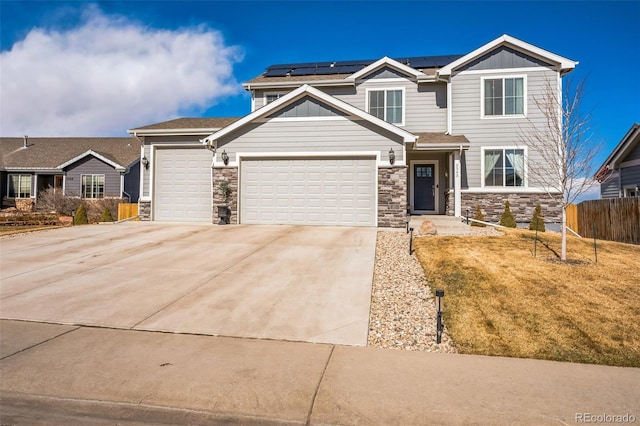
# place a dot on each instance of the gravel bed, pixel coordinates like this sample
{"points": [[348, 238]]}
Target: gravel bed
{"points": [[403, 311]]}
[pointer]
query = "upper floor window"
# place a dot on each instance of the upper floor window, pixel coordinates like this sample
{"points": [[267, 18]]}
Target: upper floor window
{"points": [[270, 97], [92, 186], [387, 105], [504, 167], [19, 186], [504, 96]]}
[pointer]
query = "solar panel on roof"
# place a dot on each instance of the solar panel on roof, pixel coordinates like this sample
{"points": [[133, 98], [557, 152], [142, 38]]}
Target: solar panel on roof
{"points": [[282, 72], [304, 71], [348, 69]]}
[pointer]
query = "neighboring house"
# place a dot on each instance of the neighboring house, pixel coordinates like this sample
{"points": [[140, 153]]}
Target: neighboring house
{"points": [[619, 175], [363, 142], [83, 167]]}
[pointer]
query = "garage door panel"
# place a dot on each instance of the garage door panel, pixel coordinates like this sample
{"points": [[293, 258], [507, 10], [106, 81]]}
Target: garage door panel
{"points": [[314, 191], [183, 185]]}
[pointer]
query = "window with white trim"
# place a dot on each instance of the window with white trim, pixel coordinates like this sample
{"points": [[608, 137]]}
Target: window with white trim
{"points": [[270, 97], [19, 186], [504, 167], [504, 96], [92, 186], [387, 105]]}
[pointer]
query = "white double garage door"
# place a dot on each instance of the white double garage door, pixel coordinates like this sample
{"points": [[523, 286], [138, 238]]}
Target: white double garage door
{"points": [[300, 191]]}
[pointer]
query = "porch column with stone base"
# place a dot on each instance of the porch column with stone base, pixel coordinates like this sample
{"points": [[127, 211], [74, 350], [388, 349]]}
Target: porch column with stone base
{"points": [[392, 196]]}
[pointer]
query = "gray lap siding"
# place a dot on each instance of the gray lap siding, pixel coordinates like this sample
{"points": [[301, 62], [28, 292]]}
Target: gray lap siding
{"points": [[91, 166]]}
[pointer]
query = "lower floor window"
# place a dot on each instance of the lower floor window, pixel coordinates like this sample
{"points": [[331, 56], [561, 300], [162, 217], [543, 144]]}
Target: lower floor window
{"points": [[504, 167], [92, 186], [631, 192], [19, 186]]}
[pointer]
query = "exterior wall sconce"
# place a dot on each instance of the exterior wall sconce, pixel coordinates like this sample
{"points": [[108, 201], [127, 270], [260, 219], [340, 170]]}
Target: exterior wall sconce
{"points": [[145, 162], [392, 156], [225, 157]]}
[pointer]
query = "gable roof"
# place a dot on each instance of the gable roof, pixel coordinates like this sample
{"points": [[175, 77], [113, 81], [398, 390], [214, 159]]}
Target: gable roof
{"points": [[51, 153], [386, 61], [185, 125], [565, 65], [300, 92], [619, 153], [94, 154]]}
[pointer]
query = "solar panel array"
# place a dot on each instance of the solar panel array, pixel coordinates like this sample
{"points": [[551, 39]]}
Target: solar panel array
{"points": [[350, 67]]}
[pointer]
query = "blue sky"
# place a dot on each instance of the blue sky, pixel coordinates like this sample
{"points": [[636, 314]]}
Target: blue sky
{"points": [[66, 70]]}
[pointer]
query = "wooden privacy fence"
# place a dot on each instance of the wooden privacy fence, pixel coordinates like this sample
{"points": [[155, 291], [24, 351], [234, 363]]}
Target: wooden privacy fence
{"points": [[615, 219], [572, 217], [127, 210]]}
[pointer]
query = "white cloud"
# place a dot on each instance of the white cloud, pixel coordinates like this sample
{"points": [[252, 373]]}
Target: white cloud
{"points": [[589, 189], [109, 74]]}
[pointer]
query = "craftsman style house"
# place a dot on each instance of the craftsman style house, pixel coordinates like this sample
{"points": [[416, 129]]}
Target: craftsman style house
{"points": [[362, 143]]}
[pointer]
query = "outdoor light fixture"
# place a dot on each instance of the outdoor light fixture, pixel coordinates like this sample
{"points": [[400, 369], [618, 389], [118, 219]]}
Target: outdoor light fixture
{"points": [[225, 157], [392, 156], [439, 326], [145, 162]]}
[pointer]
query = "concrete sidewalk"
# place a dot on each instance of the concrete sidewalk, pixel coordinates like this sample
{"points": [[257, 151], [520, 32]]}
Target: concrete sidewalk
{"points": [[445, 225], [59, 374]]}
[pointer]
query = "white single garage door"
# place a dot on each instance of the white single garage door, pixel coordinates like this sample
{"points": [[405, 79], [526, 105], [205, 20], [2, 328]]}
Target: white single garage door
{"points": [[309, 191], [182, 190]]}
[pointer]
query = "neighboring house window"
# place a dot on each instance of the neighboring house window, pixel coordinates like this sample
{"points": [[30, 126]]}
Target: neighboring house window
{"points": [[504, 167], [92, 186], [631, 191], [387, 105], [504, 96], [270, 97], [19, 186]]}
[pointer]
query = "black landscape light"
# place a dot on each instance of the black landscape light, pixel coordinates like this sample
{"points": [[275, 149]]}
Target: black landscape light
{"points": [[225, 157], [410, 241], [392, 156], [439, 326]]}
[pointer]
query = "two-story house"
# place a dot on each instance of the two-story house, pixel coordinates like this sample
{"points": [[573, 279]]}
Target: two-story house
{"points": [[362, 142]]}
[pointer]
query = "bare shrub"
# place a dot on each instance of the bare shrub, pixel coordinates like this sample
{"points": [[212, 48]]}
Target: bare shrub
{"points": [[50, 200], [53, 201]]}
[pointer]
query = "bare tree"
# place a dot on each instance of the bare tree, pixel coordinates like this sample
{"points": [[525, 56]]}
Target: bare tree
{"points": [[564, 140]]}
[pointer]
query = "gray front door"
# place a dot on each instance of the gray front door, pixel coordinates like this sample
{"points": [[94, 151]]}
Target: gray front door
{"points": [[424, 187]]}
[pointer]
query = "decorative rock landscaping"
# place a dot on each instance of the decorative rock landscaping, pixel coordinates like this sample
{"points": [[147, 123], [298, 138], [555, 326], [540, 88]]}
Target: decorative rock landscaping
{"points": [[403, 311]]}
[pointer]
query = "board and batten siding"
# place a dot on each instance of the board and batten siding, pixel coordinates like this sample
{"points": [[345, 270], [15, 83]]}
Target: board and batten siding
{"points": [[495, 131], [92, 166], [302, 136]]}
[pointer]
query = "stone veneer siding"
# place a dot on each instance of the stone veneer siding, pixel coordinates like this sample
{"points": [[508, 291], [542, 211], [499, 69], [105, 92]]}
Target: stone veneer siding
{"points": [[144, 210], [229, 174], [450, 203], [392, 197], [522, 206]]}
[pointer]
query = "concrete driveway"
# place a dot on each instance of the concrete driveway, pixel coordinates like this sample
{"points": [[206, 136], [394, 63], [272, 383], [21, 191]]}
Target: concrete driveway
{"points": [[278, 282]]}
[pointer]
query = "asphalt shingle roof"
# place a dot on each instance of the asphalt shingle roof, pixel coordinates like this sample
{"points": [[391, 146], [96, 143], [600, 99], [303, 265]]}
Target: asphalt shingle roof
{"points": [[191, 123], [49, 153]]}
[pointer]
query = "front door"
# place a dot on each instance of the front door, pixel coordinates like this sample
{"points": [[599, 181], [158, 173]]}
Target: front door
{"points": [[424, 190]]}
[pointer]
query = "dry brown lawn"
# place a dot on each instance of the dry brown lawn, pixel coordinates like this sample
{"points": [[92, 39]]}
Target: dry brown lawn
{"points": [[13, 230], [501, 300]]}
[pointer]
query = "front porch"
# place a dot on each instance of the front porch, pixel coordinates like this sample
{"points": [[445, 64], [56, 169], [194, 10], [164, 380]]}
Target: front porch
{"points": [[434, 174]]}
